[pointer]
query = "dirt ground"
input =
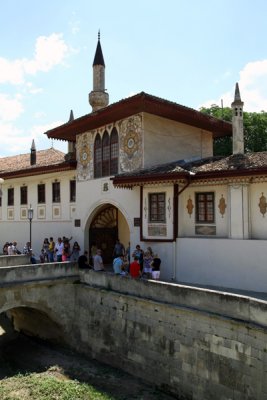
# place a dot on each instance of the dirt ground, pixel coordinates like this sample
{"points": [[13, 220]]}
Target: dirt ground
{"points": [[19, 353]]}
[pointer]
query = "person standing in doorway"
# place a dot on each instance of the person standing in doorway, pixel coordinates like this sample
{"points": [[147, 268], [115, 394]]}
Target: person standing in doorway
{"points": [[98, 261], [118, 249]]}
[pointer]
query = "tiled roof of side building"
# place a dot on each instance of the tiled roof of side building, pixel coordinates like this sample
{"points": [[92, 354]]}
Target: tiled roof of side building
{"points": [[44, 158], [236, 164]]}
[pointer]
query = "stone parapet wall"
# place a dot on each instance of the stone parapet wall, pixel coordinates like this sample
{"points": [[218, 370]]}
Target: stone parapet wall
{"points": [[37, 272], [7, 261], [194, 343]]}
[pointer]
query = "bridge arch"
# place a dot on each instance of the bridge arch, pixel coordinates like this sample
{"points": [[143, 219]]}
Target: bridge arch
{"points": [[39, 309]]}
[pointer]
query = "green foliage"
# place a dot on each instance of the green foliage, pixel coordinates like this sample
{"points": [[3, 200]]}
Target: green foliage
{"points": [[255, 130], [47, 387], [255, 127], [221, 146]]}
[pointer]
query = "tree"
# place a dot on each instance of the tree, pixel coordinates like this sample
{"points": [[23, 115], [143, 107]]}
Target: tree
{"points": [[255, 130]]}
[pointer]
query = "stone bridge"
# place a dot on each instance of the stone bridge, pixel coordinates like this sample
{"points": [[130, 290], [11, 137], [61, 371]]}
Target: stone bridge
{"points": [[194, 343]]}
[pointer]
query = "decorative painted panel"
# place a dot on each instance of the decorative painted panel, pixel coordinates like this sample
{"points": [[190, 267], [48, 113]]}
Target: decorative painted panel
{"points": [[41, 212], [84, 155], [222, 206], [72, 211], [263, 205], [205, 230], [157, 230], [23, 213], [10, 213], [131, 144], [56, 212], [190, 206]]}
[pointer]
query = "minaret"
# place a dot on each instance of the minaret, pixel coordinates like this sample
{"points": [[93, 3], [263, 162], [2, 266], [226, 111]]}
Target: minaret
{"points": [[98, 98], [237, 123], [33, 153]]}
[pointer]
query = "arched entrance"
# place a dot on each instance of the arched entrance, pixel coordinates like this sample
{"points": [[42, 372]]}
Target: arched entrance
{"points": [[108, 225]]}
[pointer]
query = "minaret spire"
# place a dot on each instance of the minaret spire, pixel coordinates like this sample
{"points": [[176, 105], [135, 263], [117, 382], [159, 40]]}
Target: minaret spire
{"points": [[237, 122], [98, 98]]}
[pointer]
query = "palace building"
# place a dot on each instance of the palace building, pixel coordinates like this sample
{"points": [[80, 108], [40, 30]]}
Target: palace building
{"points": [[142, 170]]}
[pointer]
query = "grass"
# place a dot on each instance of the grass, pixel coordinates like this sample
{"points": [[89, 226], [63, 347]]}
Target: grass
{"points": [[46, 386]]}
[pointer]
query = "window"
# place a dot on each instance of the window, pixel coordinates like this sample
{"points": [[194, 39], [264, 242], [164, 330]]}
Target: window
{"points": [[105, 154], [97, 157], [23, 195], [72, 190], [10, 197], [157, 207], [205, 207], [41, 193], [114, 152], [56, 192]]}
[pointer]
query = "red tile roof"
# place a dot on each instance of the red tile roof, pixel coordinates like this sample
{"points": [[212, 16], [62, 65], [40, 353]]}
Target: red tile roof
{"points": [[46, 161]]}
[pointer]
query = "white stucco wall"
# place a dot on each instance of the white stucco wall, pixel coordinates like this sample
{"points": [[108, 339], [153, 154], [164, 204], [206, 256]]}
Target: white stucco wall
{"points": [[258, 221], [180, 141], [187, 222], [226, 263], [47, 225]]}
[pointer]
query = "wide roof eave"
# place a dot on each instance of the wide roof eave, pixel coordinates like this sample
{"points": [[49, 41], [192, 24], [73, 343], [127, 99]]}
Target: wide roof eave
{"points": [[141, 102]]}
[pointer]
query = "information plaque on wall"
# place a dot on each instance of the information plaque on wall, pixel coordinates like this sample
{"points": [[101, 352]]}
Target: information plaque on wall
{"points": [[136, 221]]}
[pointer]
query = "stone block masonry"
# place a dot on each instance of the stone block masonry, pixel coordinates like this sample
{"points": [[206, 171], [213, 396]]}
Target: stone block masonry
{"points": [[193, 343], [197, 344]]}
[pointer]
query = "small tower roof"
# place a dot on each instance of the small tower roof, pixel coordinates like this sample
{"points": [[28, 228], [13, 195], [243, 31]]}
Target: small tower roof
{"points": [[33, 145], [237, 100], [99, 59], [237, 93], [71, 116]]}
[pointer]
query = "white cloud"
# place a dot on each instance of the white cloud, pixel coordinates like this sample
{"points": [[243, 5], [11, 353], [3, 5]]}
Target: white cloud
{"points": [[253, 88], [49, 52], [74, 25], [10, 108], [17, 141], [11, 71]]}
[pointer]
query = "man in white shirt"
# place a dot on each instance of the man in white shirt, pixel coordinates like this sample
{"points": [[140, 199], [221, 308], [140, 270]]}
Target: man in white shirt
{"points": [[98, 261], [59, 249]]}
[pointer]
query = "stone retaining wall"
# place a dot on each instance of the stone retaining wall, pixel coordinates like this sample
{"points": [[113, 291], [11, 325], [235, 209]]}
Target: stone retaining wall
{"points": [[194, 343], [197, 344]]}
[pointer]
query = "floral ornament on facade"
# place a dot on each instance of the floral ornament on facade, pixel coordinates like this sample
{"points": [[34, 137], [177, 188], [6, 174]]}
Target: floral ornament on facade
{"points": [[222, 206], [263, 205], [190, 206]]}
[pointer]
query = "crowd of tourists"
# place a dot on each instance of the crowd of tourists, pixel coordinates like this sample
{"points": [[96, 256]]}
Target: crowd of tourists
{"points": [[51, 251], [138, 264]]}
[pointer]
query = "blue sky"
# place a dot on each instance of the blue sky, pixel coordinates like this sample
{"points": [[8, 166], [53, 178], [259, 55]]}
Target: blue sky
{"points": [[190, 52]]}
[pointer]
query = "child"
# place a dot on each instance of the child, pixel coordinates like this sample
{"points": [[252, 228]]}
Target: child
{"points": [[135, 270]]}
